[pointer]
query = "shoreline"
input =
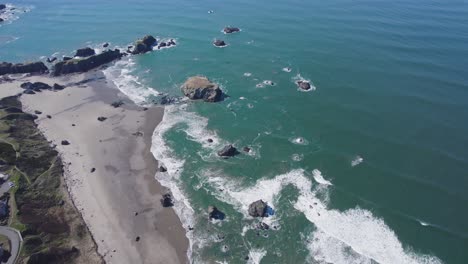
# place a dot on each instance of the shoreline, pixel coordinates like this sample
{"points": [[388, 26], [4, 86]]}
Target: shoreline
{"points": [[119, 199]]}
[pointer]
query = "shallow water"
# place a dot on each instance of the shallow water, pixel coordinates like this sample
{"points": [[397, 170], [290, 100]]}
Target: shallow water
{"points": [[368, 166]]}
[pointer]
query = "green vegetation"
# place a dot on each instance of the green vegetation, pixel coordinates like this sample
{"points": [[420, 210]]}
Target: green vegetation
{"points": [[39, 207]]}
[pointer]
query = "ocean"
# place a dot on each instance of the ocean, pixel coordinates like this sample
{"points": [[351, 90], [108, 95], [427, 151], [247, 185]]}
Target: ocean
{"points": [[370, 166]]}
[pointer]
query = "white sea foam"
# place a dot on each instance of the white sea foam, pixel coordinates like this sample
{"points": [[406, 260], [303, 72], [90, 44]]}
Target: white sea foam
{"points": [[256, 255], [269, 83], [318, 177], [287, 69], [356, 161], [12, 13], [351, 236], [247, 74], [299, 141], [297, 157], [122, 73]]}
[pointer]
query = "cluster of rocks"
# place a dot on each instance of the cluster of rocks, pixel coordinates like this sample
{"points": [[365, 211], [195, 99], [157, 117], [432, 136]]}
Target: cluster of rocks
{"points": [[2, 9], [32, 88], [260, 209], [228, 151], [144, 45], [32, 67], [227, 30]]}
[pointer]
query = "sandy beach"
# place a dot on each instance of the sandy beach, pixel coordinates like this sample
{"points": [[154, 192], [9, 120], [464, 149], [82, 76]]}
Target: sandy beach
{"points": [[109, 167]]}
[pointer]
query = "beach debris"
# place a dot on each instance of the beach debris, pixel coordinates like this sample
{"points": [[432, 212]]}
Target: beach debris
{"points": [[138, 134], [167, 201], [65, 142], [304, 85], [144, 45], [229, 30], [137, 239], [33, 67], [93, 170], [73, 125], [162, 168], [49, 116], [101, 118], [135, 213], [228, 151], [214, 213], [260, 209], [105, 45], [219, 43], [85, 52], [50, 60], [201, 88]]}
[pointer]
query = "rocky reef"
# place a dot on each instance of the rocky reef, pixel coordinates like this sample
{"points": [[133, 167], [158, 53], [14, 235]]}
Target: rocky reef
{"points": [[87, 63], [144, 45]]}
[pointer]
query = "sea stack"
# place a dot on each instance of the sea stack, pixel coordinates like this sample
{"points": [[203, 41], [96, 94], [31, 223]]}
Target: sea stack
{"points": [[201, 88]]}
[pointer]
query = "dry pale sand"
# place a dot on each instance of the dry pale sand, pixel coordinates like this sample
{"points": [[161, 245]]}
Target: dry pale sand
{"points": [[119, 201]]}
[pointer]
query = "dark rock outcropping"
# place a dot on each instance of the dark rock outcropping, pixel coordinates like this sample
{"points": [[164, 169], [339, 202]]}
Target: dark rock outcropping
{"points": [[304, 85], [36, 86], [33, 67], [219, 43], [214, 213], [86, 64], [228, 151], [144, 45], [2, 6], [258, 208], [167, 201], [199, 87], [85, 52], [229, 30]]}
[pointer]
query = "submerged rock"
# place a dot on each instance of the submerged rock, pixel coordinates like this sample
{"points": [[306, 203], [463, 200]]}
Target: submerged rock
{"points": [[229, 30], [214, 213], [162, 168], [33, 67], [85, 52], [219, 43], [105, 45], [86, 64], [199, 87], [228, 151], [258, 208], [50, 60], [144, 45], [246, 149], [167, 201], [304, 85]]}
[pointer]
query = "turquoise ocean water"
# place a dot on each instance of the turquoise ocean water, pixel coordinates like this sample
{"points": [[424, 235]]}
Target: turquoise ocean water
{"points": [[370, 167]]}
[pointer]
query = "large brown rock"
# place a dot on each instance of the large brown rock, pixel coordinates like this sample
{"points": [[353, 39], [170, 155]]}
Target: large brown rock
{"points": [[33, 67], [86, 64], [200, 87]]}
